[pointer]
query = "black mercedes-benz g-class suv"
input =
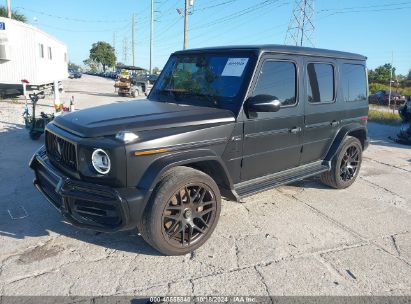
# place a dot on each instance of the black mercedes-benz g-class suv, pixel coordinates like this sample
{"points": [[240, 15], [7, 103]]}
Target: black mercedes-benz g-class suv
{"points": [[227, 121]]}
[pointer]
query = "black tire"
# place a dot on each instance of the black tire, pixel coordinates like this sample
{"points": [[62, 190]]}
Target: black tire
{"points": [[175, 223], [345, 166]]}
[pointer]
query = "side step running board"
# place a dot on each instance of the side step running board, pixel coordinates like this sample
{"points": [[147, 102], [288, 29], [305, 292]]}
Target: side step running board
{"points": [[260, 184]]}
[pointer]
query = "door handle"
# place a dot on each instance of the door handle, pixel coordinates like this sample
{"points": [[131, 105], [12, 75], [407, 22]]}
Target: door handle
{"points": [[236, 138], [334, 123], [295, 130]]}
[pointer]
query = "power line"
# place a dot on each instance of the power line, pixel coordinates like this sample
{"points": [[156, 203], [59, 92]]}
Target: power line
{"points": [[367, 6], [83, 31], [215, 5], [70, 18], [248, 11], [234, 15]]}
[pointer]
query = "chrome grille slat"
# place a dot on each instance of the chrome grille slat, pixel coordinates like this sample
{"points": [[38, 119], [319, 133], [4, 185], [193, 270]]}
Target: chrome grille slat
{"points": [[61, 151]]}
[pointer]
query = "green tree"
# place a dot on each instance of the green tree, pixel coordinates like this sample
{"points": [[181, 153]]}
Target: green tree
{"points": [[14, 14], [381, 74], [156, 70], [409, 75], [93, 66], [103, 53]]}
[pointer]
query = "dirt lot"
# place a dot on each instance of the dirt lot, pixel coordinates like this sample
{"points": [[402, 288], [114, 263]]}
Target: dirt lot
{"points": [[302, 239]]}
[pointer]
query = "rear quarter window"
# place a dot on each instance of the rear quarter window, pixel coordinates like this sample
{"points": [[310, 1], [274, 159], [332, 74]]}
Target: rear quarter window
{"points": [[354, 82]]}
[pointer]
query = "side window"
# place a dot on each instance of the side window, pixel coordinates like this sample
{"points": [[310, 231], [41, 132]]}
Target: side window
{"points": [[354, 85], [49, 53], [41, 50], [320, 82], [278, 79]]}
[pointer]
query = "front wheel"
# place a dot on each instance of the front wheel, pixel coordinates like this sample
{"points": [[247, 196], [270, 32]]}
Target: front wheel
{"points": [[182, 213], [345, 165]]}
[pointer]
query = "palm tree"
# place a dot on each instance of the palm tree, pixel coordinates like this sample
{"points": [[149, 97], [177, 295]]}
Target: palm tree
{"points": [[14, 14]]}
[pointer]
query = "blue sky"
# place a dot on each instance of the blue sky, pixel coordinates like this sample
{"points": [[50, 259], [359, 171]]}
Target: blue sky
{"points": [[372, 28]]}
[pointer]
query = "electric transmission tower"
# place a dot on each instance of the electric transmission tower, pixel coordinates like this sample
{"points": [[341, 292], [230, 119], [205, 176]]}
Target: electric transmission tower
{"points": [[125, 51], [301, 29]]}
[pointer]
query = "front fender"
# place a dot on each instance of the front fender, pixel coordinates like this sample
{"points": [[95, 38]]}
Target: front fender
{"points": [[154, 172]]}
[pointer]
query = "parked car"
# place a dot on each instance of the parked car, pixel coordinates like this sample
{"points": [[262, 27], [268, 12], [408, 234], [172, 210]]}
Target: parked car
{"points": [[381, 97], [71, 74], [152, 78], [228, 121], [77, 74], [74, 74]]}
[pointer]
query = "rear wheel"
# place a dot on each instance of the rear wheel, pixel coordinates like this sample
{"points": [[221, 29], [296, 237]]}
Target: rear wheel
{"points": [[182, 213], [345, 166]]}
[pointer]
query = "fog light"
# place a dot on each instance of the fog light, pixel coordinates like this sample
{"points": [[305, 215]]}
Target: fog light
{"points": [[101, 161]]}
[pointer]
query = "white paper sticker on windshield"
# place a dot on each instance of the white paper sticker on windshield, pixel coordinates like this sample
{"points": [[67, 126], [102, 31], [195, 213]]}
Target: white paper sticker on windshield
{"points": [[234, 67]]}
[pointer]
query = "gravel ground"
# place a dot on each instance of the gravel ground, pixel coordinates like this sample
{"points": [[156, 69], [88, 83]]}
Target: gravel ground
{"points": [[302, 239]]}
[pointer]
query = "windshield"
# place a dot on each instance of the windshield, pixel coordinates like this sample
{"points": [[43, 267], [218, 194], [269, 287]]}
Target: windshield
{"points": [[203, 80]]}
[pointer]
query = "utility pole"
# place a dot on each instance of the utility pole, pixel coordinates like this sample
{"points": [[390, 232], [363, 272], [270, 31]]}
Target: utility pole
{"points": [[151, 34], [8, 9], [114, 43], [301, 27], [132, 37], [392, 63], [125, 50], [185, 23]]}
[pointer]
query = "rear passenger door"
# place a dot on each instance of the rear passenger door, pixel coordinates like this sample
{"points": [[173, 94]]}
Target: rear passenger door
{"points": [[272, 140], [323, 112]]}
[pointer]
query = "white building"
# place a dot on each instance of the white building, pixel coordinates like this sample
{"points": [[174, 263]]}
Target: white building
{"points": [[31, 54]]}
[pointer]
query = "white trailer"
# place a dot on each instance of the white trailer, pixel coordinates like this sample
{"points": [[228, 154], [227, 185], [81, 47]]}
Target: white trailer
{"points": [[31, 54]]}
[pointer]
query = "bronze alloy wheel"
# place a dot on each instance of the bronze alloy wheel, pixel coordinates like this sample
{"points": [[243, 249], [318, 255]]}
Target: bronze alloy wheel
{"points": [[188, 215]]}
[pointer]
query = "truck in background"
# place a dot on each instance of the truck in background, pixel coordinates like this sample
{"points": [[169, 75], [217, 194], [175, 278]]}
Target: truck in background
{"points": [[27, 53]]}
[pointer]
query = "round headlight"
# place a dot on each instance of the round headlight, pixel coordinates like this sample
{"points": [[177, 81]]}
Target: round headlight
{"points": [[101, 161]]}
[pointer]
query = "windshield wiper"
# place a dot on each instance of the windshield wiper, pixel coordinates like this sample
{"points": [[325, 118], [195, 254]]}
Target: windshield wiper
{"points": [[209, 98], [170, 93]]}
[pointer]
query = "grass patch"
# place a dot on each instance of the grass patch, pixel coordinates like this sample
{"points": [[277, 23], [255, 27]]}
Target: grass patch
{"points": [[384, 117]]}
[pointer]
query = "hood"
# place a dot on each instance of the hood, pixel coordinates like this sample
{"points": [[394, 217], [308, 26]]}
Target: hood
{"points": [[138, 115]]}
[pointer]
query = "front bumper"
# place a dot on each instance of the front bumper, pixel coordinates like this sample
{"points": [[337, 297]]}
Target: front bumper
{"points": [[86, 205]]}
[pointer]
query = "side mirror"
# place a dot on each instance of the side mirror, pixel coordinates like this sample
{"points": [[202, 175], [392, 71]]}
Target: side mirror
{"points": [[263, 103]]}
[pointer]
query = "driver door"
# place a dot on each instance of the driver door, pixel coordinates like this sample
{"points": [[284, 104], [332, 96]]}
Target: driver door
{"points": [[273, 140]]}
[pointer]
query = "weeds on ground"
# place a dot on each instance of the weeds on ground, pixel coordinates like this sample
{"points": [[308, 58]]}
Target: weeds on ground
{"points": [[384, 117]]}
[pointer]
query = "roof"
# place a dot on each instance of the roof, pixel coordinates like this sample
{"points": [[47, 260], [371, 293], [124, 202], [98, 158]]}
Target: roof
{"points": [[130, 67], [30, 27], [281, 49]]}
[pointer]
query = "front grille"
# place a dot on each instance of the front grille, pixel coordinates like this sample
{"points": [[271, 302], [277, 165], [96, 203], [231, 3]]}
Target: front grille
{"points": [[61, 151]]}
